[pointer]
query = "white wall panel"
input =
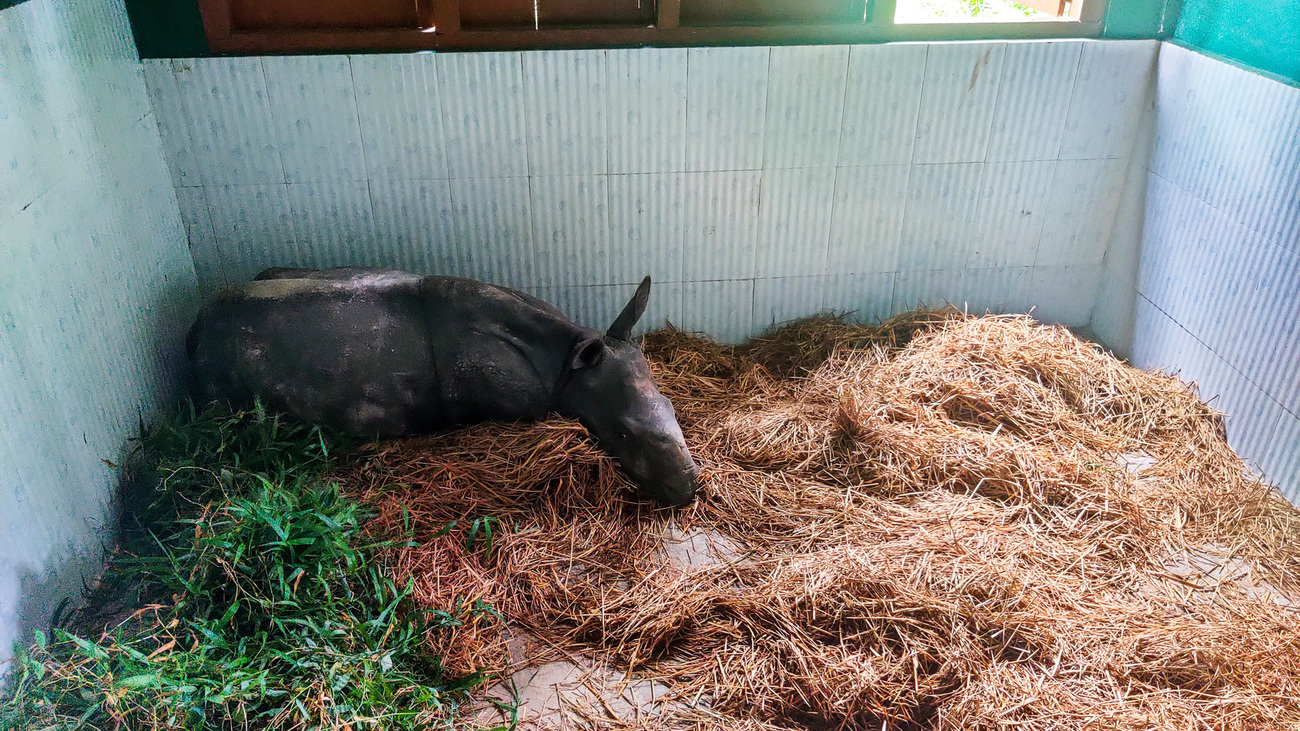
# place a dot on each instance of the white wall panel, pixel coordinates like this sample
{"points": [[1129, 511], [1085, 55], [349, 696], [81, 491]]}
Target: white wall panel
{"points": [[209, 265], [399, 108], [333, 223], [1281, 463], [570, 230], [881, 104], [1033, 100], [647, 109], [314, 107], [864, 298], [253, 227], [413, 227], [781, 299], [1109, 94], [1080, 212], [1215, 287], [939, 220], [173, 124], [483, 114], [805, 105], [722, 309], [647, 226], [721, 225], [867, 221], [568, 170], [794, 221], [1013, 199], [726, 105], [567, 95], [96, 289], [958, 102], [231, 125], [492, 223]]}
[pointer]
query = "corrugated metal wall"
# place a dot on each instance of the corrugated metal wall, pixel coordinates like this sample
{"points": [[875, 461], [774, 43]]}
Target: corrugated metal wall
{"points": [[95, 286], [754, 184], [1205, 279]]}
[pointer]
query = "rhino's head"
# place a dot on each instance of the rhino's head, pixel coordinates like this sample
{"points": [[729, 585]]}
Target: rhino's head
{"points": [[611, 391]]}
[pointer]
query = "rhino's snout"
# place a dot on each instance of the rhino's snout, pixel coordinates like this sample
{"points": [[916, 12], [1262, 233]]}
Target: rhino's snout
{"points": [[674, 484]]}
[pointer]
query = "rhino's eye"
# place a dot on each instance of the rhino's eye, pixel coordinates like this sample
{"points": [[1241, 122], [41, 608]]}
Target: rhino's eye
{"points": [[623, 435]]}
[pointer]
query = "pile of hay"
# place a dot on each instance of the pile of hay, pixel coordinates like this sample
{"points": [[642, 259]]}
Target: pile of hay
{"points": [[940, 524]]}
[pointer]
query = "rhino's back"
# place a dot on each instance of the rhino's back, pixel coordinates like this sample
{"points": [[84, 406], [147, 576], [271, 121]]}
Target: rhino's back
{"points": [[377, 351]]}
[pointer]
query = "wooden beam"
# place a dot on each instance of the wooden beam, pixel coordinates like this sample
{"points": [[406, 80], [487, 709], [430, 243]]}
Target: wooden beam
{"points": [[668, 14]]}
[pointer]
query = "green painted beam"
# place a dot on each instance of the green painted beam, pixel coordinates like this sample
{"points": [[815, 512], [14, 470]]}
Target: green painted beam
{"points": [[1261, 34], [167, 28], [1140, 19]]}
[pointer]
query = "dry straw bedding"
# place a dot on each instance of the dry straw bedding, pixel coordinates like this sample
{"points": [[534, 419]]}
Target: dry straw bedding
{"points": [[935, 526]]}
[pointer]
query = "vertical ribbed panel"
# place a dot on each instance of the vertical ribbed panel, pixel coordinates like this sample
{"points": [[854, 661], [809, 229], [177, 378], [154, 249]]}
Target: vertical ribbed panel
{"points": [[96, 289], [866, 298], [333, 223], [1231, 138], [725, 108], [794, 222], [1112, 316], [1064, 295], [483, 114], [868, 218], [805, 103], [782, 299], [647, 225], [1161, 342], [1106, 104], [173, 127], [593, 307], [721, 225], [413, 226], [881, 104], [957, 101], [32, 145], [571, 230], [230, 119], [723, 310], [399, 105], [492, 221], [1033, 100], [208, 266], [315, 111], [760, 127], [1281, 463], [597, 306], [566, 94], [939, 221], [665, 306], [1266, 344], [647, 109], [928, 288], [253, 226], [1081, 212], [1012, 208]]}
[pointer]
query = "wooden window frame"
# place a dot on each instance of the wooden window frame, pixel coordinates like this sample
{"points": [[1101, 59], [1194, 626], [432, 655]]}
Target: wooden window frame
{"points": [[443, 32]]}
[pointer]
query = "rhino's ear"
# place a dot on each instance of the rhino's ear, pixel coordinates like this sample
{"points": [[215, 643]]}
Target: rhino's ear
{"points": [[586, 353], [631, 314]]}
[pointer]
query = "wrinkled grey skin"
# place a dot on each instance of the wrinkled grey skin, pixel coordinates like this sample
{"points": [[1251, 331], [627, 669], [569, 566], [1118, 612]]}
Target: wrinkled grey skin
{"points": [[386, 353]]}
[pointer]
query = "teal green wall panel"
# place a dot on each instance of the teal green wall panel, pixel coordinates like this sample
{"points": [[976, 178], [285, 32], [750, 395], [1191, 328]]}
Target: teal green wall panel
{"points": [[1140, 18], [1262, 34]]}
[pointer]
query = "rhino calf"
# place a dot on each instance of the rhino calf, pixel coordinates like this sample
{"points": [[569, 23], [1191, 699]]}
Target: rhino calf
{"points": [[387, 353]]}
